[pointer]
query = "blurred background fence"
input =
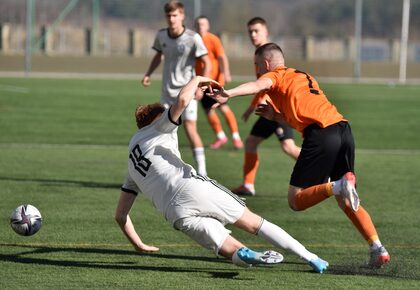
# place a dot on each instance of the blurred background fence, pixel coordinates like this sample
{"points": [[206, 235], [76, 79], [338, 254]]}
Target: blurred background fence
{"points": [[311, 32]]}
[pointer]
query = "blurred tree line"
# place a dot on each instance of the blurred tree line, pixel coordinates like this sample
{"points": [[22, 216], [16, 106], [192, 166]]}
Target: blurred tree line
{"points": [[320, 18]]}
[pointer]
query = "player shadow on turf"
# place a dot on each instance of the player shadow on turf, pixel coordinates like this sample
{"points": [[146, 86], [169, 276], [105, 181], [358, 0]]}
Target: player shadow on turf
{"points": [[63, 182], [390, 271], [120, 265]]}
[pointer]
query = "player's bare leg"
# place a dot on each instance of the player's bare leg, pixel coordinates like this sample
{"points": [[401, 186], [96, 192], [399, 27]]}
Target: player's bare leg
{"points": [[290, 148], [276, 236]]}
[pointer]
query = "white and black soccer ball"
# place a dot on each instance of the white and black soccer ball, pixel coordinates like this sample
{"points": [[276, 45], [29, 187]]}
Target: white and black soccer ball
{"points": [[26, 220]]}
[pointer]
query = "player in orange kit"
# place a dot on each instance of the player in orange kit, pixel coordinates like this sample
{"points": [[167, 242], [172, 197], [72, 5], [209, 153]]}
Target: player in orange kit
{"points": [[262, 128], [221, 73], [328, 146]]}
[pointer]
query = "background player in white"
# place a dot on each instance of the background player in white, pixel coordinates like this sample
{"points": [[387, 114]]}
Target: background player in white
{"points": [[180, 47], [196, 205]]}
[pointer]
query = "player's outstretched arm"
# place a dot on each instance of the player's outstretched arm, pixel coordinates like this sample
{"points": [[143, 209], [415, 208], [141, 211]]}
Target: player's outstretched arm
{"points": [[153, 65], [188, 92], [123, 219], [250, 88]]}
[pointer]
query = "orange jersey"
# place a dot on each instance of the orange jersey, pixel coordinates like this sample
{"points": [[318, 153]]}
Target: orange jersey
{"points": [[298, 97], [260, 97], [215, 50]]}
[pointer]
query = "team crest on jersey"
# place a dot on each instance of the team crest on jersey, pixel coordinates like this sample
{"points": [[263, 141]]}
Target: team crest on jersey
{"points": [[180, 48]]}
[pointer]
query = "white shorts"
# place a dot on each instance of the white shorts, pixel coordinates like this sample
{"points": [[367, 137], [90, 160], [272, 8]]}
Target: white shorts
{"points": [[190, 112], [201, 210]]}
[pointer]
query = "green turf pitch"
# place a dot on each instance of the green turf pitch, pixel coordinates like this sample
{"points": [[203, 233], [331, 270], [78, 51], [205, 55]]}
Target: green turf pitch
{"points": [[63, 149]]}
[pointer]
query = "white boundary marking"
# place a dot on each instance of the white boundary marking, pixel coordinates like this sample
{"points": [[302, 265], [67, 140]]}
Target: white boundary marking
{"points": [[13, 89], [105, 147], [240, 78]]}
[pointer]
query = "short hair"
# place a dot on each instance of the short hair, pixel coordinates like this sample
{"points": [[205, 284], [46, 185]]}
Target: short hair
{"points": [[202, 17], [145, 114], [172, 5], [257, 20], [268, 49]]}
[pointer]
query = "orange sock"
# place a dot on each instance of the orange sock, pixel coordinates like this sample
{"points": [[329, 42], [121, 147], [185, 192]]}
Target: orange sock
{"points": [[362, 221], [231, 120], [313, 195], [250, 167], [214, 122]]}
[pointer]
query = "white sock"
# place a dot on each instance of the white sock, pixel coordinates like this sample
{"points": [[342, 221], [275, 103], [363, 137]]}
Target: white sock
{"points": [[200, 159], [280, 238], [336, 186], [221, 135], [250, 187], [376, 244], [235, 136]]}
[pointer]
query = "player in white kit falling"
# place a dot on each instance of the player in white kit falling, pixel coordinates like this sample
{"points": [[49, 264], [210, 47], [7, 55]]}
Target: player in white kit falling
{"points": [[180, 47], [193, 204]]}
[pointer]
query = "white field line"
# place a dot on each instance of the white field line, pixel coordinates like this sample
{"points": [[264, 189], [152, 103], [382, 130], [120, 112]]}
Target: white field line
{"points": [[132, 76], [13, 89], [106, 147]]}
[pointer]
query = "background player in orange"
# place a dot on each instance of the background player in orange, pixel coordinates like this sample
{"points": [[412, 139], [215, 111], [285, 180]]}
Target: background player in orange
{"points": [[263, 128], [328, 144], [221, 73]]}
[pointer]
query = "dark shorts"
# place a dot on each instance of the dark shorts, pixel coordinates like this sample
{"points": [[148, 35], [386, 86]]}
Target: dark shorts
{"points": [[264, 128], [207, 102], [326, 153]]}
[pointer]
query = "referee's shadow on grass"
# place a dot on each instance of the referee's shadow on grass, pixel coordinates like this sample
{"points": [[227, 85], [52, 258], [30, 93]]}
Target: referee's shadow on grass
{"points": [[63, 182], [22, 258]]}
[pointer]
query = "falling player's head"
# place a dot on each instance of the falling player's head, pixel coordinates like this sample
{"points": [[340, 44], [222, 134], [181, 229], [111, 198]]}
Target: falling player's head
{"points": [[146, 114]]}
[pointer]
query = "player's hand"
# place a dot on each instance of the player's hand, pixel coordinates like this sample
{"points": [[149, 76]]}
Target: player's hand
{"points": [[247, 113], [220, 96], [208, 84], [199, 93], [146, 81], [143, 248]]}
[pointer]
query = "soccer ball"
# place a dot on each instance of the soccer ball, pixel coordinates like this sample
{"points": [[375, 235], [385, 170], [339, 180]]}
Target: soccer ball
{"points": [[26, 220]]}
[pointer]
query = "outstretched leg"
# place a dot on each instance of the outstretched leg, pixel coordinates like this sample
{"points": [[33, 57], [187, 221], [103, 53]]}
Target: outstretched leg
{"points": [[275, 235]]}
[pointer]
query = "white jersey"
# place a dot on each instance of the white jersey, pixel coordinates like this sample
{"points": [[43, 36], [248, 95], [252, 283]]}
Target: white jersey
{"points": [[154, 165], [179, 54]]}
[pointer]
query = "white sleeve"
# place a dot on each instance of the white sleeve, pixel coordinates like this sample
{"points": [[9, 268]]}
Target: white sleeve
{"points": [[130, 186], [201, 49]]}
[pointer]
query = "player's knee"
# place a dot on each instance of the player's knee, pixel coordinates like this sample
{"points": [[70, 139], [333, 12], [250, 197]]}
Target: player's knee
{"points": [[293, 206], [251, 144], [292, 200]]}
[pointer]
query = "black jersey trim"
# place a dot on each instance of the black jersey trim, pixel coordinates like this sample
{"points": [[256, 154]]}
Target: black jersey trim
{"points": [[172, 121], [175, 37], [129, 191], [202, 55]]}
